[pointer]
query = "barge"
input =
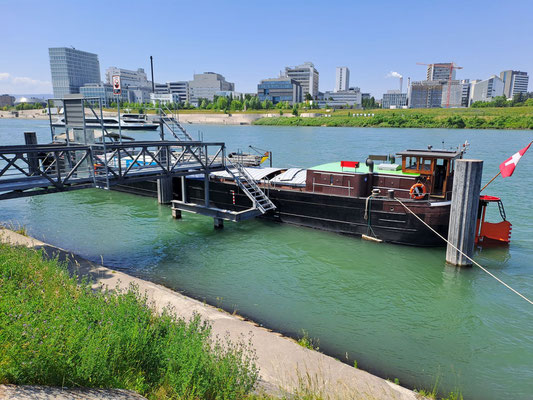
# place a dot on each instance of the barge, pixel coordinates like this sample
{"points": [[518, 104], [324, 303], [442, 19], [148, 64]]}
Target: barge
{"points": [[349, 197]]}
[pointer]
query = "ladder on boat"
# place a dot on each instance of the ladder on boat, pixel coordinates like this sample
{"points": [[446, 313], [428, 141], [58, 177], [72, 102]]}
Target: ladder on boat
{"points": [[247, 183], [170, 120]]}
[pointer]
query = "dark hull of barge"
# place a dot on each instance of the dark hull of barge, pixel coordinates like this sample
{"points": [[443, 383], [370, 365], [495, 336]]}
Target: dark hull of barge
{"points": [[389, 220]]}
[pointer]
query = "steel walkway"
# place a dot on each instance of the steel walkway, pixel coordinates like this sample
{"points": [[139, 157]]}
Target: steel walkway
{"points": [[30, 170]]}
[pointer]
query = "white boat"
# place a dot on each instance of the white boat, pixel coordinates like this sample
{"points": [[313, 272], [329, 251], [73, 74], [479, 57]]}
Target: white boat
{"points": [[127, 122]]}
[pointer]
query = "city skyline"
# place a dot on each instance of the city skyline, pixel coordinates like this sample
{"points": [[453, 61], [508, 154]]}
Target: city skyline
{"points": [[370, 40]]}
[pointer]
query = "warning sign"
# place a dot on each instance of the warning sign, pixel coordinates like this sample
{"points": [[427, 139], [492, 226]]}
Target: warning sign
{"points": [[116, 84]]}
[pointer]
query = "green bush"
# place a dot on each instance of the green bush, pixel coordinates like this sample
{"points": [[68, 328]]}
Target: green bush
{"points": [[55, 331]]}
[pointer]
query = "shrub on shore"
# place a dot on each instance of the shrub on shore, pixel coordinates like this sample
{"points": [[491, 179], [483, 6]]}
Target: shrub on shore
{"points": [[55, 331], [408, 120]]}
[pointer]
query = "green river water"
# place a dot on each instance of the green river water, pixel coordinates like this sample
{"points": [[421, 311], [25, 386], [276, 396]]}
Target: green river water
{"points": [[401, 312]]}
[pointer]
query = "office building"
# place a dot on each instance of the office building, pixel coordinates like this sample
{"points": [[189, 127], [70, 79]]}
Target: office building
{"points": [[425, 94], [71, 69], [486, 90], [164, 98], [128, 77], [138, 94], [342, 98], [456, 94], [181, 88], [342, 79], [440, 72], [6, 100], [514, 82], [104, 91], [280, 89], [465, 92], [161, 88], [307, 76], [204, 86], [394, 99]]}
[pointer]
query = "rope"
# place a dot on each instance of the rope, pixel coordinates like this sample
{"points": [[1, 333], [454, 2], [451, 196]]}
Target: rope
{"points": [[469, 258]]}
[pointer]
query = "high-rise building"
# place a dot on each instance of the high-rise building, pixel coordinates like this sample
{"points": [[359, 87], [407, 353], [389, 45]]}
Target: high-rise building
{"points": [[307, 76], [128, 77], [485, 90], [342, 79], [205, 86], [72, 69], [279, 89], [465, 92], [514, 82], [394, 99], [425, 94], [440, 72]]}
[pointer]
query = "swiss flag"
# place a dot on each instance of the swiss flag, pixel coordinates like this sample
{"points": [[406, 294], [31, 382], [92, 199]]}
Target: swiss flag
{"points": [[507, 167]]}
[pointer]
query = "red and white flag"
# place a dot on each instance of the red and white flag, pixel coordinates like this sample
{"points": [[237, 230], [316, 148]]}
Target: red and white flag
{"points": [[507, 167]]}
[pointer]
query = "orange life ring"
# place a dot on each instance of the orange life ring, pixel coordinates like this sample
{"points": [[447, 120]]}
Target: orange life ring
{"points": [[418, 191]]}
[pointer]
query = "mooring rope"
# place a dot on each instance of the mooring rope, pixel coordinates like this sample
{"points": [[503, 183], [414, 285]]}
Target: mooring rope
{"points": [[470, 259]]}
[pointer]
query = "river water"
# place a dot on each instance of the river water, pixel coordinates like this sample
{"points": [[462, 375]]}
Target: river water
{"points": [[401, 312]]}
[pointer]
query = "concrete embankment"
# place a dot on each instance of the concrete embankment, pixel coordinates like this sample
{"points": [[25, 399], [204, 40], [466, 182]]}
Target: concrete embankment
{"points": [[284, 365]]}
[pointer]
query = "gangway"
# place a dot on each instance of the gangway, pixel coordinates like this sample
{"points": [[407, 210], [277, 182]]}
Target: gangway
{"points": [[29, 170]]}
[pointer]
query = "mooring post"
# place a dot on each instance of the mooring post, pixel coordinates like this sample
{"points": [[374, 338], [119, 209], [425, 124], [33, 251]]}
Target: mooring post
{"points": [[219, 223], [463, 213], [176, 214], [33, 159], [164, 190]]}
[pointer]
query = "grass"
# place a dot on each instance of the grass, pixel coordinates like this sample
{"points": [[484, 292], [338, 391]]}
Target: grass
{"points": [[472, 118], [55, 331], [307, 342], [16, 227]]}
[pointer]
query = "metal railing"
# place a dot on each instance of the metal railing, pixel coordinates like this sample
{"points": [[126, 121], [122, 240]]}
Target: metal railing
{"points": [[36, 169]]}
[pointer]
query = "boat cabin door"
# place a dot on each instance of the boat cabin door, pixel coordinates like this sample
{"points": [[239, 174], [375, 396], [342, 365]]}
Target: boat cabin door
{"points": [[441, 177]]}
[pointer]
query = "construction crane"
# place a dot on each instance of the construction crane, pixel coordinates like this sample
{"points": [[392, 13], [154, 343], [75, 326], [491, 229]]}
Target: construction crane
{"points": [[451, 66]]}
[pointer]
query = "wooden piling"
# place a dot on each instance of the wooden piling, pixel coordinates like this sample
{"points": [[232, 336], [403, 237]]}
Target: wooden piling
{"points": [[464, 208]]}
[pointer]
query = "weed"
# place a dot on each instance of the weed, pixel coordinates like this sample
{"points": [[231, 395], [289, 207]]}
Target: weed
{"points": [[54, 331], [307, 342], [355, 363]]}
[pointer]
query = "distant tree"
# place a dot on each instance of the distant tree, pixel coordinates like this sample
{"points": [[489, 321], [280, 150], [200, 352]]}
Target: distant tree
{"points": [[308, 97], [222, 103], [295, 110], [236, 105]]}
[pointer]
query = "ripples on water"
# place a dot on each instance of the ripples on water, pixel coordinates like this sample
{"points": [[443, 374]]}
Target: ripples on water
{"points": [[399, 311]]}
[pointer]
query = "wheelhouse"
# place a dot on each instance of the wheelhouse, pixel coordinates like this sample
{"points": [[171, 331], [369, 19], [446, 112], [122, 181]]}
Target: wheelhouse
{"points": [[435, 168]]}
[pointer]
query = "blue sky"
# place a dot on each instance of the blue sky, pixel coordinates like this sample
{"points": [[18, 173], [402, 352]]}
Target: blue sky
{"points": [[247, 41]]}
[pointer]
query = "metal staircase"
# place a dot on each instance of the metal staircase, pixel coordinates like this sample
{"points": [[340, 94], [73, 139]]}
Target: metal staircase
{"points": [[170, 120], [243, 179]]}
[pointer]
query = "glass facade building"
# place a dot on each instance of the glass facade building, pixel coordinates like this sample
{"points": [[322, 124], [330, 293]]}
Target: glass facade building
{"points": [[425, 94], [71, 69], [394, 99], [279, 89]]}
